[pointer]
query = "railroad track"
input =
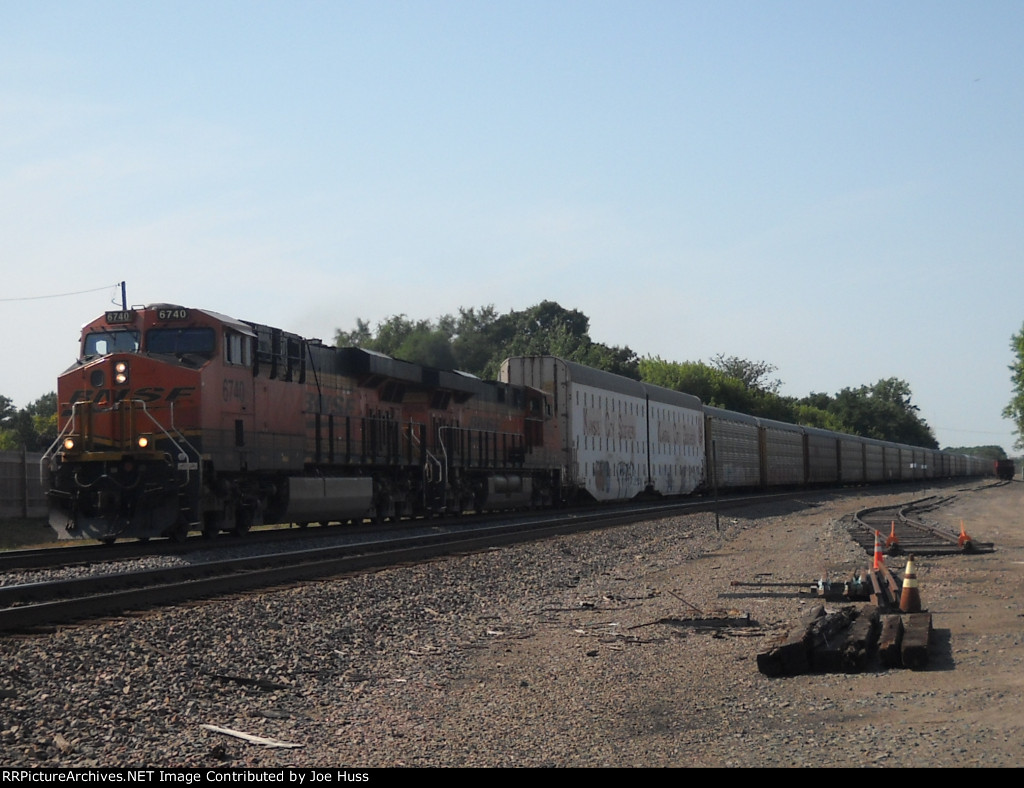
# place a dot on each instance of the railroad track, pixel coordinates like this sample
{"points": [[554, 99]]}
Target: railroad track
{"points": [[31, 605], [27, 607], [75, 553], [78, 553], [904, 530]]}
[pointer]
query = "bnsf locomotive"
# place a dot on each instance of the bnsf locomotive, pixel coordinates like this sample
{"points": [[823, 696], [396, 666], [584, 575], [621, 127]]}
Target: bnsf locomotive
{"points": [[176, 419]]}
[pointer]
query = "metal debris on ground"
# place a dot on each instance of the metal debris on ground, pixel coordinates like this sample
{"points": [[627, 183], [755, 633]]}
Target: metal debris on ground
{"points": [[724, 619], [261, 740]]}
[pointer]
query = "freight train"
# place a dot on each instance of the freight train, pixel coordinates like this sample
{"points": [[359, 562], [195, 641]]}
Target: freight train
{"points": [[176, 419]]}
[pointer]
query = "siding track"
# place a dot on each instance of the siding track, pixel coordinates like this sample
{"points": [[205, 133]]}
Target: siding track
{"points": [[905, 529]]}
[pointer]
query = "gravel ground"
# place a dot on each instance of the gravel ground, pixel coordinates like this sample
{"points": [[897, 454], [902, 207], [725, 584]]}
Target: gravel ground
{"points": [[567, 652]]}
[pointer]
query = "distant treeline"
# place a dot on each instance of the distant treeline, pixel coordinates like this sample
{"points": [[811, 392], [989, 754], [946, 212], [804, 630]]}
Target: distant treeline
{"points": [[478, 340]]}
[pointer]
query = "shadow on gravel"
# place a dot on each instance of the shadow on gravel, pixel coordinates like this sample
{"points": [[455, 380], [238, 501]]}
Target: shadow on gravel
{"points": [[738, 510], [940, 650], [765, 595]]}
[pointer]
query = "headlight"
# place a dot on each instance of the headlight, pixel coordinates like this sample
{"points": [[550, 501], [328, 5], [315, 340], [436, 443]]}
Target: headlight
{"points": [[143, 441], [121, 373], [69, 444]]}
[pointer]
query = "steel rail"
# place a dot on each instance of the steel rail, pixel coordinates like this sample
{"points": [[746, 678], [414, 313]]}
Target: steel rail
{"points": [[901, 531], [31, 605], [26, 607]]}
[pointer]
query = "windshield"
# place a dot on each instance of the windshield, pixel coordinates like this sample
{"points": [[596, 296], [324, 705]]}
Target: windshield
{"points": [[178, 341], [100, 343]]}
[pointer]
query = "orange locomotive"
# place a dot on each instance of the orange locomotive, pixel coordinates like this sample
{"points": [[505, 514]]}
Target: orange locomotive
{"points": [[176, 419]]}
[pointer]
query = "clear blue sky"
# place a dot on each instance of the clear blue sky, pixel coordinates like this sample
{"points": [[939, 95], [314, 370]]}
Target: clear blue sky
{"points": [[836, 188]]}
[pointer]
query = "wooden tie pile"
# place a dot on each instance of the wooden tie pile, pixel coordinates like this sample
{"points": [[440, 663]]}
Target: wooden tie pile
{"points": [[888, 623]]}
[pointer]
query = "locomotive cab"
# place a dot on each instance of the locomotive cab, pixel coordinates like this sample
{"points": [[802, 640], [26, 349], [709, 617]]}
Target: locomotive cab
{"points": [[127, 458]]}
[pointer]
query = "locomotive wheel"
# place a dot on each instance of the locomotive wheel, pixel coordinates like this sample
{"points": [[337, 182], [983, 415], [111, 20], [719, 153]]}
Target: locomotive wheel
{"points": [[211, 525], [179, 533], [243, 520], [384, 510]]}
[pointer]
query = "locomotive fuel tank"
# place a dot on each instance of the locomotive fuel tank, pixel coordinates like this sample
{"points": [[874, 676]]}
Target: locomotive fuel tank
{"points": [[323, 499]]}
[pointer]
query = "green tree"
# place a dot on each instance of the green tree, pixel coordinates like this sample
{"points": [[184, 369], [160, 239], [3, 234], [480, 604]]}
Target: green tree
{"points": [[32, 428], [7, 411], [712, 386], [479, 340], [811, 416], [550, 329], [360, 336], [883, 411], [990, 452], [10, 439], [473, 338], [1015, 408], [44, 420], [431, 348], [753, 374], [421, 341], [715, 385]]}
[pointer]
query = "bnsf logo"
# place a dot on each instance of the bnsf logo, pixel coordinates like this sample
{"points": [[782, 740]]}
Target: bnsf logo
{"points": [[148, 394]]}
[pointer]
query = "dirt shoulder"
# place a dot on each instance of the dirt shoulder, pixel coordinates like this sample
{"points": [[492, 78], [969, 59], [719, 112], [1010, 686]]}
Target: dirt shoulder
{"points": [[609, 661], [573, 651]]}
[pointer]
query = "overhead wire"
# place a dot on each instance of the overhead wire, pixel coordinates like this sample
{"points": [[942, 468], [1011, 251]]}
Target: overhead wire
{"points": [[61, 295]]}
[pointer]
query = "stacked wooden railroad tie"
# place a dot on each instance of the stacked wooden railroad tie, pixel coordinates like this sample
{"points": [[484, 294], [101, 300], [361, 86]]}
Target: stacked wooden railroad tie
{"points": [[887, 623]]}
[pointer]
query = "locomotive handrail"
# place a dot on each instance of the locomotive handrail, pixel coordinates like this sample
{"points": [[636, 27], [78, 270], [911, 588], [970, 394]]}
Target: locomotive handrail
{"points": [[430, 455], [181, 452], [454, 428], [69, 427], [432, 461], [44, 460], [444, 451], [181, 435]]}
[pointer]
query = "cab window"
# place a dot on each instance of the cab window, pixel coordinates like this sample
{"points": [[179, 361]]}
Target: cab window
{"points": [[100, 343], [237, 349], [179, 341]]}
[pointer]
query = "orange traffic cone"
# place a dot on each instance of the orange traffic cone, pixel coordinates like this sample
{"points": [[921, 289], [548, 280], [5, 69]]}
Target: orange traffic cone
{"points": [[910, 598], [892, 544], [879, 557], [964, 541]]}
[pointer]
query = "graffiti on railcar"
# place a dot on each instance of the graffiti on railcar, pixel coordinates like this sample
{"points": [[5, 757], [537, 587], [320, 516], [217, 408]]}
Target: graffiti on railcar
{"points": [[623, 476], [679, 433], [626, 427]]}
